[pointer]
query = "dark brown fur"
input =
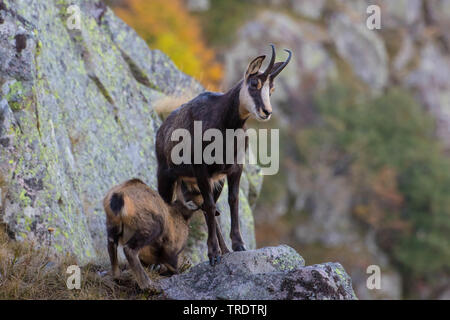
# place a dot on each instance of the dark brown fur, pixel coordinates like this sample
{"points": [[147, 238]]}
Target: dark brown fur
{"points": [[218, 111]]}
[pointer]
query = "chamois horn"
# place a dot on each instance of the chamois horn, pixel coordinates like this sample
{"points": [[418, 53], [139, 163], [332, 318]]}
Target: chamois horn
{"points": [[281, 67], [272, 61]]}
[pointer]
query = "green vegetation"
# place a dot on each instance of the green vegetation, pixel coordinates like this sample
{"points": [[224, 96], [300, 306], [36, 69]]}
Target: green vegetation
{"points": [[223, 19], [398, 168], [13, 97]]}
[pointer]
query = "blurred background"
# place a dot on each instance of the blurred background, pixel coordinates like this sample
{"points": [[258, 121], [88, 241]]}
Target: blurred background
{"points": [[364, 121]]}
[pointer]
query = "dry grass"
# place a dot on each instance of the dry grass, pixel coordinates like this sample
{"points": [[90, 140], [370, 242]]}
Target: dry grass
{"points": [[30, 273]]}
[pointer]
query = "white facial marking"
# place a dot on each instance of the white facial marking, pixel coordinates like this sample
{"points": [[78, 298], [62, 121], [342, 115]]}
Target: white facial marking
{"points": [[247, 103], [246, 100], [265, 95]]}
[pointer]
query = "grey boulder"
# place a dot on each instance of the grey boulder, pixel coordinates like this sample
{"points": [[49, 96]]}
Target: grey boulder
{"points": [[271, 273]]}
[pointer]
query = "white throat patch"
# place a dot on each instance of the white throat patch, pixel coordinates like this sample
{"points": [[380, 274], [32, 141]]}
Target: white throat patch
{"points": [[246, 104]]}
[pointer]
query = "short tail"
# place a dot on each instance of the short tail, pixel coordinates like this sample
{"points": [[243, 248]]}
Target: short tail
{"points": [[116, 203]]}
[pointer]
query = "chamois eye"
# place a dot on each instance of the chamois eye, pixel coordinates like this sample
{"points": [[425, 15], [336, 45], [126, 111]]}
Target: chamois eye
{"points": [[254, 83]]}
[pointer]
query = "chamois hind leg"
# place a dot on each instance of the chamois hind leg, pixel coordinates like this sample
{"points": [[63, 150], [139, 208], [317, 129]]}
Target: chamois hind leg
{"points": [[131, 250], [218, 186], [113, 238], [166, 184], [222, 244]]}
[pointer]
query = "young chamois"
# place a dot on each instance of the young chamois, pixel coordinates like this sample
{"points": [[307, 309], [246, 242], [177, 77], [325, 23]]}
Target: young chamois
{"points": [[222, 111], [150, 230]]}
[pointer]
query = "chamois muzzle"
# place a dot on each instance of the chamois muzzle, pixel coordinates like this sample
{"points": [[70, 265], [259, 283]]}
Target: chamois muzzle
{"points": [[281, 67]]}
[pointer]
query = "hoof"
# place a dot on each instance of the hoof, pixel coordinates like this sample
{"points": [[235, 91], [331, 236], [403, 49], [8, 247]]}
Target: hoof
{"points": [[214, 260], [239, 247], [150, 287], [155, 267]]}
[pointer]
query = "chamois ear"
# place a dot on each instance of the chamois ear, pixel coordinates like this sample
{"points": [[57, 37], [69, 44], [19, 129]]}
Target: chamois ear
{"points": [[254, 66]]}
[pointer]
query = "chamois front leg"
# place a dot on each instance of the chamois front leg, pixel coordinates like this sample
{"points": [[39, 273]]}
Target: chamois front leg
{"points": [[217, 191], [233, 200], [142, 278], [209, 207], [131, 250]]}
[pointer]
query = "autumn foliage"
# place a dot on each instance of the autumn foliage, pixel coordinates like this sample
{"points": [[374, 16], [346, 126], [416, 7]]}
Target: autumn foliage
{"points": [[167, 25]]}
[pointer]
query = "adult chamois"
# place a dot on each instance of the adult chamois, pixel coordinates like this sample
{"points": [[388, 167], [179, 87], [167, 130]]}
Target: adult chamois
{"points": [[222, 111]]}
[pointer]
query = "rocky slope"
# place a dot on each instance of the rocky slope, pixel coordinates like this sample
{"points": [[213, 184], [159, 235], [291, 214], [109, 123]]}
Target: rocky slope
{"points": [[76, 117], [272, 273]]}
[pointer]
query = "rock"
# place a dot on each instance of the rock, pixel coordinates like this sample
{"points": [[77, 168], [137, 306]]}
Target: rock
{"points": [[17, 46], [362, 48], [76, 117], [331, 232], [431, 81], [439, 14], [198, 5], [308, 8], [273, 273], [151, 68], [443, 296], [400, 12], [328, 198], [394, 14], [305, 8]]}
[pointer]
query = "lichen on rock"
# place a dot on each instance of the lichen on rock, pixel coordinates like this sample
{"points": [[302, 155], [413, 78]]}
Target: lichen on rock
{"points": [[271, 273], [76, 117]]}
